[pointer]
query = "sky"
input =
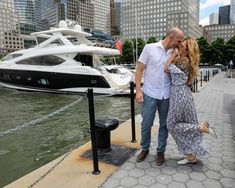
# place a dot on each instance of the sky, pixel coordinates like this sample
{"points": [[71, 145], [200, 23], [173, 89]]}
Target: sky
{"points": [[209, 6]]}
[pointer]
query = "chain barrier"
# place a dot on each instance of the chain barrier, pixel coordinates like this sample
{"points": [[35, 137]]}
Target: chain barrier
{"points": [[111, 95], [33, 122], [53, 167]]}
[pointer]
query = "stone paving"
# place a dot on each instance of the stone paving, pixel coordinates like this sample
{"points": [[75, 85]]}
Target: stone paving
{"points": [[216, 104]]}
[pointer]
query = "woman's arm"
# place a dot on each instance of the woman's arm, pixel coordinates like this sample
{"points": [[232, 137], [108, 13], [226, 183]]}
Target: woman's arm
{"points": [[173, 59]]}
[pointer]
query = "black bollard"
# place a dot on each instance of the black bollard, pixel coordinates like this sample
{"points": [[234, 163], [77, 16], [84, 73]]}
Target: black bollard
{"points": [[132, 96], [90, 97], [201, 78]]}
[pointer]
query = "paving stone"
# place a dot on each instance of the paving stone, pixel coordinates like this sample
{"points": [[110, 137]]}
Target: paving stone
{"points": [[146, 180], [143, 165], [152, 171], [136, 172], [194, 184], [120, 174], [112, 182], [176, 184], [197, 176], [210, 183], [181, 177], [228, 173], [185, 169], [128, 166], [213, 166], [213, 174], [164, 179], [229, 182], [129, 181], [158, 185]]}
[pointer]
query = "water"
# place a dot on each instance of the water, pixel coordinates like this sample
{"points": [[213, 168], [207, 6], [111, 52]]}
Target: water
{"points": [[29, 148]]}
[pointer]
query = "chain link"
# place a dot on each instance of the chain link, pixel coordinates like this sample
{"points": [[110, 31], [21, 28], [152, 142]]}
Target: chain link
{"points": [[53, 167], [33, 122]]}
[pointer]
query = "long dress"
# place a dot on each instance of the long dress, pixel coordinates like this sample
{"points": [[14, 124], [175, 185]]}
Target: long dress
{"points": [[182, 121]]}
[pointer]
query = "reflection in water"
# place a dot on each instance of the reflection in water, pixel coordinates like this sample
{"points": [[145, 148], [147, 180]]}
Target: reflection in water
{"points": [[33, 146]]}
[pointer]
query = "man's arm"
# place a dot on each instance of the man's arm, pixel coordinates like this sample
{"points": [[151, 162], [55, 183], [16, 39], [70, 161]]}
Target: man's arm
{"points": [[138, 77]]}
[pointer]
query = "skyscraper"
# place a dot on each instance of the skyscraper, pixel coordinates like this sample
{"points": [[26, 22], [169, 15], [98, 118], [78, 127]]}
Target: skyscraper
{"points": [[144, 19], [214, 18], [10, 39], [102, 15], [94, 14], [232, 12], [29, 15], [224, 15], [115, 17], [54, 11]]}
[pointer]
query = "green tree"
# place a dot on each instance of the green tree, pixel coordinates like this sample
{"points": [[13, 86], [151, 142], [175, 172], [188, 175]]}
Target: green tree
{"points": [[217, 51], [230, 50], [141, 44], [127, 51], [152, 40], [204, 49]]}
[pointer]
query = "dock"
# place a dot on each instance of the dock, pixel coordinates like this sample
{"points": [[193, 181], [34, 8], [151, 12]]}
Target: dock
{"points": [[215, 102]]}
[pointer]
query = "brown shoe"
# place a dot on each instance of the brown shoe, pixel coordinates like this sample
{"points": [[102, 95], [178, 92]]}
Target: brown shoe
{"points": [[160, 159], [143, 154]]}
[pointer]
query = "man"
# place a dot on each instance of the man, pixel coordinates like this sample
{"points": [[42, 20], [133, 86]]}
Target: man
{"points": [[156, 89]]}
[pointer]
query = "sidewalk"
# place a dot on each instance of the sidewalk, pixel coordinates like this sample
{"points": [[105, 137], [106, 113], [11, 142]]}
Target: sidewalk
{"points": [[216, 104]]}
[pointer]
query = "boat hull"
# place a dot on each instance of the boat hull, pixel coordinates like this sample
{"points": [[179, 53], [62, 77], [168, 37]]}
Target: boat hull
{"points": [[54, 82]]}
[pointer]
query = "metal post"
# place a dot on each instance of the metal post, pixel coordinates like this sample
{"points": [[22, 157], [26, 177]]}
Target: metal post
{"points": [[201, 78], [93, 135], [132, 96], [208, 75], [196, 84]]}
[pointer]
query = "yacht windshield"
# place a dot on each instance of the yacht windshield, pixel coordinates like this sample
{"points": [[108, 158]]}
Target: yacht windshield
{"points": [[49, 60], [11, 56]]}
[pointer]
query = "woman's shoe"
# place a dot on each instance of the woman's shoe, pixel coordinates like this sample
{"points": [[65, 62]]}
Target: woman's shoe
{"points": [[186, 161], [212, 132], [206, 128]]}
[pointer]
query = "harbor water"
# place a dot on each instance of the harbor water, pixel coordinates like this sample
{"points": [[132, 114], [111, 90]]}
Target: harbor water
{"points": [[26, 149]]}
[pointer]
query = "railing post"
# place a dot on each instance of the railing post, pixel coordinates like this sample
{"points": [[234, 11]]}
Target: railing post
{"points": [[90, 97], [201, 78], [132, 96]]}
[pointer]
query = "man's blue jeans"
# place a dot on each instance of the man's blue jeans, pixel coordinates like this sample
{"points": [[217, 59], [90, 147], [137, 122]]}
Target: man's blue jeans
{"points": [[148, 111]]}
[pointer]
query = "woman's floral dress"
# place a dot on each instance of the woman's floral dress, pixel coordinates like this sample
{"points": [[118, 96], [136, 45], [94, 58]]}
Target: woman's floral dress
{"points": [[182, 121]]}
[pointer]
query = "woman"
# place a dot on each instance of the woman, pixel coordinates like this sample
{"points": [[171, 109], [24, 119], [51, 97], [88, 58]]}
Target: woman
{"points": [[182, 120]]}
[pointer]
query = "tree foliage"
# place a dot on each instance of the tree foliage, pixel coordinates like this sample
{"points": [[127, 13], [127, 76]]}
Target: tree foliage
{"points": [[218, 51]]}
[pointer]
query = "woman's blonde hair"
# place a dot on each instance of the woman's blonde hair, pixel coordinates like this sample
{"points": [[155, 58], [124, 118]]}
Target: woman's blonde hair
{"points": [[194, 57]]}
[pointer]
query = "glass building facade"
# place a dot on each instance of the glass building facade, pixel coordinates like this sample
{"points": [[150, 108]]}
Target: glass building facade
{"points": [[146, 19], [10, 39], [224, 15], [29, 15], [232, 12]]}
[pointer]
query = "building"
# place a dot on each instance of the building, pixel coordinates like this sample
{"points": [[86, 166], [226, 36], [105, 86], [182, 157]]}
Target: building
{"points": [[232, 12], [85, 16], [212, 32], [224, 15], [115, 17], [54, 11], [29, 15], [10, 39], [102, 15], [145, 19], [93, 14], [214, 18]]}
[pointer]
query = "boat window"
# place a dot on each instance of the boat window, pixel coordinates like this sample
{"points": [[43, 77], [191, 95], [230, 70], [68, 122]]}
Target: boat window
{"points": [[11, 56], [49, 60], [84, 59]]}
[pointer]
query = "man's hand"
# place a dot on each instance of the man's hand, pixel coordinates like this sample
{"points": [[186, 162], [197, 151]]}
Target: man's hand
{"points": [[139, 97]]}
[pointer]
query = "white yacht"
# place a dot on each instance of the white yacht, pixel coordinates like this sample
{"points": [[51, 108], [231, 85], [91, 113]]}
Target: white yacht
{"points": [[65, 62]]}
